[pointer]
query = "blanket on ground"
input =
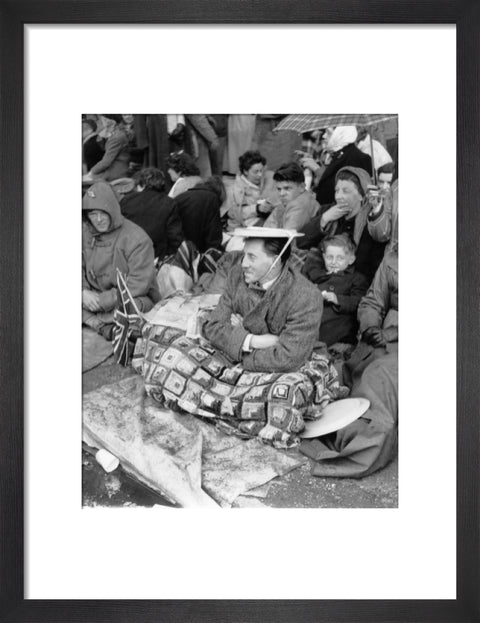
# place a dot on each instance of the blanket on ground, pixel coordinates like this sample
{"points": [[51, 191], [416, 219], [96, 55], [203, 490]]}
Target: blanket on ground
{"points": [[183, 458], [188, 374]]}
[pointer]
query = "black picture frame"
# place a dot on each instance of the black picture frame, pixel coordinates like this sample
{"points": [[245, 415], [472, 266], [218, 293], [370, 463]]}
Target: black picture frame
{"points": [[14, 14]]}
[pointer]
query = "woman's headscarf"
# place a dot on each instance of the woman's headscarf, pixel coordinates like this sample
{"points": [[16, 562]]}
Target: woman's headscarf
{"points": [[362, 176], [342, 135]]}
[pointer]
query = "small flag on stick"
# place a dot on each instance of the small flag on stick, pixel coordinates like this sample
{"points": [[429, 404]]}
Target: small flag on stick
{"points": [[128, 323]]}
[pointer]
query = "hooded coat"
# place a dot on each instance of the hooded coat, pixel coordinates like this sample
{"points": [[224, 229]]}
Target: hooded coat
{"points": [[124, 246], [291, 308], [369, 248]]}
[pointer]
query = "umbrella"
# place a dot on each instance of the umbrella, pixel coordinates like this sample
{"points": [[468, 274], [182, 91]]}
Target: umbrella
{"points": [[308, 123]]}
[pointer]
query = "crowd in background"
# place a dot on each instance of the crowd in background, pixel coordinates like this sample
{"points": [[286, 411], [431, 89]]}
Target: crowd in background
{"points": [[197, 178], [173, 190]]}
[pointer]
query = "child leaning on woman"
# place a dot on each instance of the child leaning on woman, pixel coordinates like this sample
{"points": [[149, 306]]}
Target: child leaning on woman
{"points": [[331, 268]]}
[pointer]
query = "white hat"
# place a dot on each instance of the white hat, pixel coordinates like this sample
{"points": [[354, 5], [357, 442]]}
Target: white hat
{"points": [[266, 232], [335, 416]]}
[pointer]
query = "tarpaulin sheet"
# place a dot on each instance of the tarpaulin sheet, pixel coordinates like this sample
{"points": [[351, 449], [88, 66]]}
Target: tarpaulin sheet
{"points": [[178, 455]]}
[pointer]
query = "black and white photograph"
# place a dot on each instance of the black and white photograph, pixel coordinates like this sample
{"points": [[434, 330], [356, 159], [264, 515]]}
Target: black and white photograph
{"points": [[216, 389], [240, 310]]}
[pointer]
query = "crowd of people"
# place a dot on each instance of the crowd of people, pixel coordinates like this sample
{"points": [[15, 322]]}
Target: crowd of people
{"points": [[298, 234]]}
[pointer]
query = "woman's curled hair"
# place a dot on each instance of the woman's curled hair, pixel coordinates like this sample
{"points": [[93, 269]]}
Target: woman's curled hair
{"points": [[248, 159], [151, 178], [183, 164]]}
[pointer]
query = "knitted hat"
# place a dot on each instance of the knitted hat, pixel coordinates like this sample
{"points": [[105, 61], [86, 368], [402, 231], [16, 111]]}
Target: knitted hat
{"points": [[363, 178]]}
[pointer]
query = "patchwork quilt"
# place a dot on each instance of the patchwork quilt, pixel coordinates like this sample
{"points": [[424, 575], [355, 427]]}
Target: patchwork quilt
{"points": [[189, 375]]}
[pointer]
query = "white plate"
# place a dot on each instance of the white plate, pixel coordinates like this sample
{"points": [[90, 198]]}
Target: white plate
{"points": [[336, 415]]}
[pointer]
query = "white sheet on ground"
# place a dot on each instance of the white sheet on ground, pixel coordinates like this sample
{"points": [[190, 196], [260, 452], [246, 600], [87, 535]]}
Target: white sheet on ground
{"points": [[180, 456]]}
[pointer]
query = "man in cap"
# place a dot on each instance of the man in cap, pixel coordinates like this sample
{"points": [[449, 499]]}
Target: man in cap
{"points": [[269, 315]]}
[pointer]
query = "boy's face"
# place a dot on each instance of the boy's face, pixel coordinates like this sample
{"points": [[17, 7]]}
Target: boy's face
{"points": [[385, 181], [337, 259], [289, 190]]}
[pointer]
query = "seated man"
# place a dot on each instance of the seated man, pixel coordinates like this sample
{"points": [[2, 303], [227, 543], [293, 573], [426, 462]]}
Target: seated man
{"points": [[109, 242], [299, 206], [268, 317], [255, 374]]}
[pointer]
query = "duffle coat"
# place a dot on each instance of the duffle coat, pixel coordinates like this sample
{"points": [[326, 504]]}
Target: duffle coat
{"points": [[124, 246]]}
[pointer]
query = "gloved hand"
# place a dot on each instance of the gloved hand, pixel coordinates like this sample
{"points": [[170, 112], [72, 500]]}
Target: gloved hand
{"points": [[374, 337], [380, 337]]}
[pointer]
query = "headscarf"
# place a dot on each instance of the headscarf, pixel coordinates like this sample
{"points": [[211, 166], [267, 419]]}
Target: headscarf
{"points": [[363, 177], [342, 135], [380, 154]]}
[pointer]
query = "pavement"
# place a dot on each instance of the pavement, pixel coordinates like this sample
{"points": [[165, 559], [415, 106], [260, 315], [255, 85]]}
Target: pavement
{"points": [[297, 489]]}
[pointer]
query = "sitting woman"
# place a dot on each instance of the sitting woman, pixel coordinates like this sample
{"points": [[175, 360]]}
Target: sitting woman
{"points": [[111, 242], [183, 172], [115, 161], [199, 212], [349, 215], [330, 268], [252, 196], [149, 207], [341, 151]]}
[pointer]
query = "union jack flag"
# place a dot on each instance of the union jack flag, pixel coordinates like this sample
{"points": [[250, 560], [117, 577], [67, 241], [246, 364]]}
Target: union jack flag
{"points": [[128, 323]]}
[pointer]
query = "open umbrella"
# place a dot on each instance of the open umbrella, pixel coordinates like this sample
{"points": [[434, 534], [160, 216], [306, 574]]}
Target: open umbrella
{"points": [[308, 123]]}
